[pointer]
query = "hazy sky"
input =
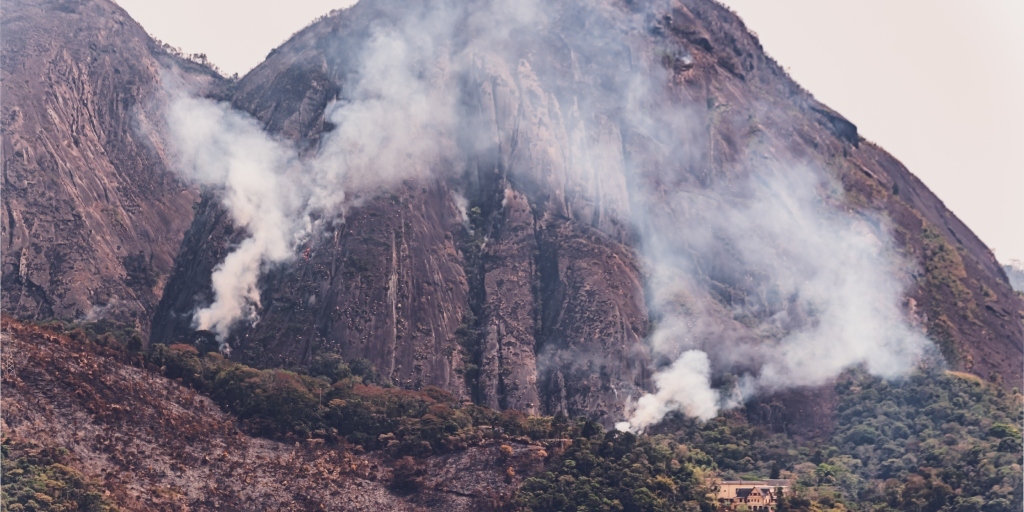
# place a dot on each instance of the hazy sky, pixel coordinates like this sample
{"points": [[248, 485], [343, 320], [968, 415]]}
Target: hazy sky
{"points": [[937, 83]]}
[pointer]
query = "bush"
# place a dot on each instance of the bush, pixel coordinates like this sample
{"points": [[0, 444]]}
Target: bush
{"points": [[617, 471], [331, 366], [115, 337], [40, 478], [340, 400]]}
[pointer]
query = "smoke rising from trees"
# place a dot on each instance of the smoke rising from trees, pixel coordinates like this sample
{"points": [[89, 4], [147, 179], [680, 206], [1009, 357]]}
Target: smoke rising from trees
{"points": [[763, 274], [821, 292], [227, 149], [390, 127]]}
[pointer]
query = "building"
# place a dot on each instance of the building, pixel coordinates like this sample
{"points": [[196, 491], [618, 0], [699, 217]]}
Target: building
{"points": [[754, 495]]}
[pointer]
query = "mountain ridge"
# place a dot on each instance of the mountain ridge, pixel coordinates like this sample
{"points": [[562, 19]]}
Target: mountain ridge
{"points": [[94, 210]]}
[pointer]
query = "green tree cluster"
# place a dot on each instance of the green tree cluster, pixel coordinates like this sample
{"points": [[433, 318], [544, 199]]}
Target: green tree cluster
{"points": [[40, 478], [618, 471], [935, 441], [332, 400], [114, 336]]}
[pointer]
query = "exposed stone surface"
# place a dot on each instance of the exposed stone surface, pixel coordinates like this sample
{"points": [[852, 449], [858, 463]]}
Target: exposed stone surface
{"points": [[537, 300], [548, 286], [93, 217]]}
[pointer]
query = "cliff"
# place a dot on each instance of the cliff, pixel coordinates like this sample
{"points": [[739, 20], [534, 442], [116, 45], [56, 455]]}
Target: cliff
{"points": [[93, 214], [533, 209], [535, 296]]}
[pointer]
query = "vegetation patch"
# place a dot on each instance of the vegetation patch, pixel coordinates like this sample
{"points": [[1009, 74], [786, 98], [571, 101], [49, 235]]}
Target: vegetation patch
{"points": [[618, 471], [39, 478], [333, 400], [932, 442]]}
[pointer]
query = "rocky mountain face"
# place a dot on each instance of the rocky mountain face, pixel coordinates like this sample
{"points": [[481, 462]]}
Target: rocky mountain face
{"points": [[534, 294], [515, 271], [93, 214], [573, 205]]}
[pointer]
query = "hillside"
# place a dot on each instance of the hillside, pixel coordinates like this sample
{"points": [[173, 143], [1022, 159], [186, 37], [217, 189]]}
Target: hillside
{"points": [[539, 293], [475, 255], [91, 422], [93, 213], [149, 443]]}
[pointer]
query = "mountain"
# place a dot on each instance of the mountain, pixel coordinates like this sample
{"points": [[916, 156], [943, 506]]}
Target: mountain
{"points": [[536, 295], [94, 214], [426, 254]]}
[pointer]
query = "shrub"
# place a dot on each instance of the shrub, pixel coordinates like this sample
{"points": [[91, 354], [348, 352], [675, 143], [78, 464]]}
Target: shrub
{"points": [[331, 366], [285, 405], [617, 471], [40, 478]]}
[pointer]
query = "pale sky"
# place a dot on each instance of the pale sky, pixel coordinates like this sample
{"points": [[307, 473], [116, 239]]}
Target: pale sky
{"points": [[937, 83]]}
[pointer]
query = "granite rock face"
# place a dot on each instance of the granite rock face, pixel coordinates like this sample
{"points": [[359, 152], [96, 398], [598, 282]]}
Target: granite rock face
{"points": [[93, 214], [533, 294], [512, 271]]}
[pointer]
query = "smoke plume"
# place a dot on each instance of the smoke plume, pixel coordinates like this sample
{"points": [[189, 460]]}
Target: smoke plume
{"points": [[820, 290], [1015, 272], [220, 147], [759, 272], [395, 122]]}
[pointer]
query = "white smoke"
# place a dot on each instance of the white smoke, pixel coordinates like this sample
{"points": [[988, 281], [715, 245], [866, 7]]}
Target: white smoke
{"points": [[224, 148], [395, 122], [804, 290], [684, 386], [385, 132], [1015, 273], [462, 204], [831, 274]]}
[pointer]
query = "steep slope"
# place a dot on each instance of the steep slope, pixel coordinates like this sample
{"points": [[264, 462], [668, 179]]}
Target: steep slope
{"points": [[93, 215], [537, 297], [152, 444]]}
